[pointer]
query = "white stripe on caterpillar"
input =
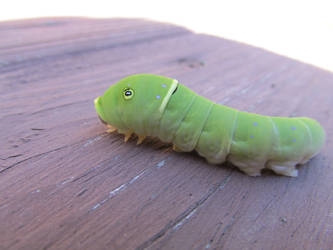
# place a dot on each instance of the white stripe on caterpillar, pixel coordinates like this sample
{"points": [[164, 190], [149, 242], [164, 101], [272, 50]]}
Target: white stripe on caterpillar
{"points": [[168, 95]]}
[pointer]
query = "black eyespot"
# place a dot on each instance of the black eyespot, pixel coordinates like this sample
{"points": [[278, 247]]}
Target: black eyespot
{"points": [[128, 93], [175, 90]]}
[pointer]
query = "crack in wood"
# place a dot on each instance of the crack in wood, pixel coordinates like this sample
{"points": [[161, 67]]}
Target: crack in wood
{"points": [[226, 229], [60, 106], [275, 197], [102, 164], [124, 186], [11, 156], [33, 156], [211, 241], [117, 190], [82, 192], [11, 66], [44, 153], [180, 220]]}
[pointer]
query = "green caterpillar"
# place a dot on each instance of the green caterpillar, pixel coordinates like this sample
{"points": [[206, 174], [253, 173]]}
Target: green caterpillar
{"points": [[151, 105]]}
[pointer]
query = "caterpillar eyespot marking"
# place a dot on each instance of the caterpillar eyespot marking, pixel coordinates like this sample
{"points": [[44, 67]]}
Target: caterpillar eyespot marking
{"points": [[128, 93], [250, 141]]}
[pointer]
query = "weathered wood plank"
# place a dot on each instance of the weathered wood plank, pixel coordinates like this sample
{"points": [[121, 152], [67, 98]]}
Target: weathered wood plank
{"points": [[66, 184]]}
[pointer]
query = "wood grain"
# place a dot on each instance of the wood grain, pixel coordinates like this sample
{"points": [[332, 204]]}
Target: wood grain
{"points": [[66, 184]]}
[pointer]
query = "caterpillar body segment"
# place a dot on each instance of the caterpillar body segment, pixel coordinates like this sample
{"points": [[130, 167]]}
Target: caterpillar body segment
{"points": [[175, 112], [215, 147], [187, 134], [151, 105]]}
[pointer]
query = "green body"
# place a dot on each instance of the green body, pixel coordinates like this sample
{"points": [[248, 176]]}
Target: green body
{"points": [[162, 107]]}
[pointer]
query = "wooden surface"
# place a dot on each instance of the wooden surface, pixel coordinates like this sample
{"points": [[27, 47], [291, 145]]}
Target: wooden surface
{"points": [[66, 184]]}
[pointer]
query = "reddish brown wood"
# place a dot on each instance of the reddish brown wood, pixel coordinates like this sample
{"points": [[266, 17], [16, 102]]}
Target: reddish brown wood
{"points": [[66, 184]]}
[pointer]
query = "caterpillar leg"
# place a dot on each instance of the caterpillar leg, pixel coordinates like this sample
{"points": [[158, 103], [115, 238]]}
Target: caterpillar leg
{"points": [[175, 148], [111, 130], [140, 139], [128, 135], [286, 168], [126, 132], [251, 168]]}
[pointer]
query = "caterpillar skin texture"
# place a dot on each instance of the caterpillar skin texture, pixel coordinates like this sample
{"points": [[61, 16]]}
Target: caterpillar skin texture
{"points": [[151, 105]]}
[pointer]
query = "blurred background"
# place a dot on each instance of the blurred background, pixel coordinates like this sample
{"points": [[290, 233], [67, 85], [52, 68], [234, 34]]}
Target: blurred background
{"points": [[302, 30]]}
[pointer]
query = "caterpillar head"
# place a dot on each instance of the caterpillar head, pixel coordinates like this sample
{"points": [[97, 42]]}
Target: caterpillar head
{"points": [[135, 101]]}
